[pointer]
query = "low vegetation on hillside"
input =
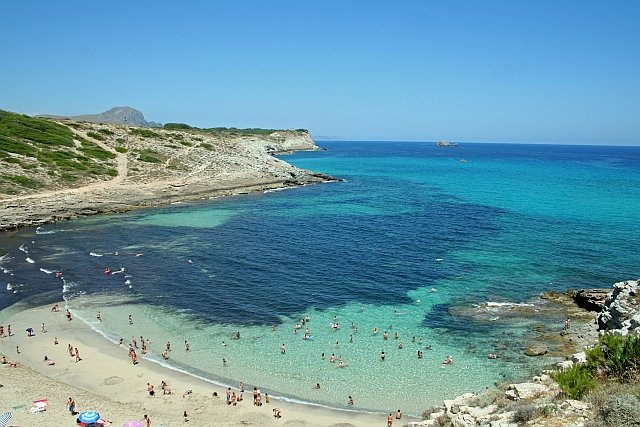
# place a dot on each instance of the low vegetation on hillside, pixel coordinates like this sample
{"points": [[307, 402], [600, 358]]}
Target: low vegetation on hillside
{"points": [[226, 131], [37, 153]]}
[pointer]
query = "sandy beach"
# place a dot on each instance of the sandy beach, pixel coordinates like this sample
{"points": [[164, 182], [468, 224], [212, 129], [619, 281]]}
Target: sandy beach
{"points": [[105, 380]]}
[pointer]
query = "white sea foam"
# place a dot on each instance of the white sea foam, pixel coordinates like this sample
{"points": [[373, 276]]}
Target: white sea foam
{"points": [[23, 248], [273, 190], [508, 304], [29, 260], [95, 254], [39, 231]]}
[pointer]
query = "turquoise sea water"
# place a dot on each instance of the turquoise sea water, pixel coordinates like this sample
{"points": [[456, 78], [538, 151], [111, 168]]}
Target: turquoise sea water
{"points": [[414, 234]]}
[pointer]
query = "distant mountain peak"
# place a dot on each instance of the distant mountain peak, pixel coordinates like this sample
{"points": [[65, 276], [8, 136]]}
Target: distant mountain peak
{"points": [[116, 115]]}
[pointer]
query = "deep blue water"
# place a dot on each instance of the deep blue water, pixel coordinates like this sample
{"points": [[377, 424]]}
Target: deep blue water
{"points": [[513, 220]]}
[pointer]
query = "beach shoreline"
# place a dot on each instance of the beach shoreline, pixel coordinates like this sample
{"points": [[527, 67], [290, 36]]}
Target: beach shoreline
{"points": [[106, 380]]}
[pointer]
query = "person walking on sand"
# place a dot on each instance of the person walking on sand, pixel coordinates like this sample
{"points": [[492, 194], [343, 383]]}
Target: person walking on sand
{"points": [[68, 314], [77, 355], [43, 328], [390, 420], [398, 415], [9, 330], [147, 421], [71, 405]]}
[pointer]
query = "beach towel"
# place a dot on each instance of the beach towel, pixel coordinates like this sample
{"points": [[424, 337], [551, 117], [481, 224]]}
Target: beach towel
{"points": [[39, 405], [5, 418]]}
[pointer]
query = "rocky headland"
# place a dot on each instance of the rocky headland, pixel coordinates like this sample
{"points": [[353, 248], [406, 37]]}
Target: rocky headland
{"points": [[58, 169], [540, 401]]}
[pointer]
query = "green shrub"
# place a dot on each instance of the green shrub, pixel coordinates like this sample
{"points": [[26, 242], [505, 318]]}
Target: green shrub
{"points": [[149, 156], [120, 140], [548, 410], [68, 177], [17, 127], [619, 411], [524, 413], [106, 131], [95, 135], [121, 149], [576, 381], [144, 133], [185, 143], [177, 126], [23, 181], [16, 147], [96, 152], [206, 146], [616, 357]]}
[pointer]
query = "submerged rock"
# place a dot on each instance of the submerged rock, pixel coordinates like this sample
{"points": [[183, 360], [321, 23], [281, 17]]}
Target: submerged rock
{"points": [[536, 350]]}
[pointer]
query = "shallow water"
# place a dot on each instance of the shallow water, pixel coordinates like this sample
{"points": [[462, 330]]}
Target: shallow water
{"points": [[411, 234]]}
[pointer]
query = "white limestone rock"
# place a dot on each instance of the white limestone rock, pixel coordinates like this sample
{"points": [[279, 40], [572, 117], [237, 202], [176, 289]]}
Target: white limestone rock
{"points": [[528, 390], [580, 357]]}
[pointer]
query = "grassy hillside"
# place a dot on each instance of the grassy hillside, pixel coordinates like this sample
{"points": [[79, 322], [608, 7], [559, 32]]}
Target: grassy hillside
{"points": [[38, 153]]}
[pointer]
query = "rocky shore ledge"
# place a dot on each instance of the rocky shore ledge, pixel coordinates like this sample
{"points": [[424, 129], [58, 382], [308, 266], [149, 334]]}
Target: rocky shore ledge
{"points": [[154, 168], [540, 402]]}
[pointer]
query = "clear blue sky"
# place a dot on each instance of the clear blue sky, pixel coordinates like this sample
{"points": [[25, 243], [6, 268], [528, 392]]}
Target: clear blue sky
{"points": [[547, 71]]}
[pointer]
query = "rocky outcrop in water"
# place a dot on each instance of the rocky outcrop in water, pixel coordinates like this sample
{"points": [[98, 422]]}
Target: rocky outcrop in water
{"points": [[591, 299], [539, 402]]}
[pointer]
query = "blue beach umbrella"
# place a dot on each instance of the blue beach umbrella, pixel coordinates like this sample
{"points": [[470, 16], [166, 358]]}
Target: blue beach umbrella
{"points": [[89, 417], [5, 418]]}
